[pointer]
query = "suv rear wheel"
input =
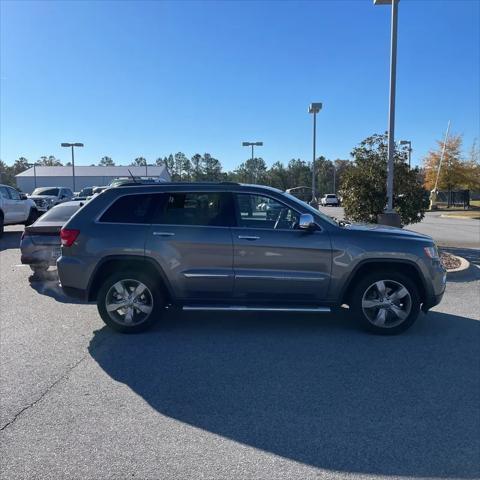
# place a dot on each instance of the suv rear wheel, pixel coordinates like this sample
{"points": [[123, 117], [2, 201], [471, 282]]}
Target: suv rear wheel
{"points": [[386, 302], [130, 302]]}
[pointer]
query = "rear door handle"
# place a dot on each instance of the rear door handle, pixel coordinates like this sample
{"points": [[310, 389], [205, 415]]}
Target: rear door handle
{"points": [[163, 234], [248, 237]]}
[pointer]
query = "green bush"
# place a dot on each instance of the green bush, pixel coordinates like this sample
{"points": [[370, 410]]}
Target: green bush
{"points": [[364, 191]]}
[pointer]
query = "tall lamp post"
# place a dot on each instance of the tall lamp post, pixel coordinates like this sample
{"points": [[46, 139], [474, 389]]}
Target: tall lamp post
{"points": [[409, 143], [34, 165], [314, 108], [72, 145], [390, 217], [253, 145]]}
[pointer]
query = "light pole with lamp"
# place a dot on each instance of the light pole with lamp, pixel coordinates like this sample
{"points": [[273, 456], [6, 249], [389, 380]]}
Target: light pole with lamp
{"points": [[314, 108], [34, 165], [253, 145], [390, 216], [72, 145], [409, 143]]}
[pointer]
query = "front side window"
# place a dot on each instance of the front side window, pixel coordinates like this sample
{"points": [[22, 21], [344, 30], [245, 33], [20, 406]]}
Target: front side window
{"points": [[212, 209], [257, 211], [4, 193], [14, 194], [130, 209]]}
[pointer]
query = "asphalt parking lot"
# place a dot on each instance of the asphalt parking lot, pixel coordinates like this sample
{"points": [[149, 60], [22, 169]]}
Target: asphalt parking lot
{"points": [[245, 396]]}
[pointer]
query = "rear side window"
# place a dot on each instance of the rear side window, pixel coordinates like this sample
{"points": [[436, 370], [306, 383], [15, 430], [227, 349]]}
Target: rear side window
{"points": [[213, 209], [131, 209]]}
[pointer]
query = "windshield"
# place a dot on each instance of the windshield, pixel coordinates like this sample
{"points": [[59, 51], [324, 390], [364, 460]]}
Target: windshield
{"points": [[314, 211], [60, 213], [46, 191]]}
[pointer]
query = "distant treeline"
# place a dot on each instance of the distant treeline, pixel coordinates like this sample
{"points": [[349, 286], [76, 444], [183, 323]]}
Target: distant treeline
{"points": [[205, 167]]}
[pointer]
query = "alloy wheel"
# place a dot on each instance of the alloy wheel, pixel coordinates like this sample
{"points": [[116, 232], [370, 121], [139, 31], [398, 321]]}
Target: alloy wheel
{"points": [[386, 303], [129, 302]]}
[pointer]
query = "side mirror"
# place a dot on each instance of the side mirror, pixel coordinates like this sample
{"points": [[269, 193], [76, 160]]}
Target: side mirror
{"points": [[23, 196], [306, 222]]}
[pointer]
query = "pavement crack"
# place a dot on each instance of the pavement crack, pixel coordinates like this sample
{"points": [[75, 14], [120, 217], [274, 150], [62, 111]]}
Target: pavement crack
{"points": [[44, 393]]}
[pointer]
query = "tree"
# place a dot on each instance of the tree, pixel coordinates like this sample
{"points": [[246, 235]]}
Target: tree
{"points": [[20, 165], [139, 162], [300, 173], [106, 162], [278, 176], [254, 170], [452, 173], [196, 167], [363, 186], [49, 161], [7, 176], [211, 168]]}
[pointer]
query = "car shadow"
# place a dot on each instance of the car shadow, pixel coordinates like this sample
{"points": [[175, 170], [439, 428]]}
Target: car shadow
{"points": [[314, 390], [48, 284], [10, 239]]}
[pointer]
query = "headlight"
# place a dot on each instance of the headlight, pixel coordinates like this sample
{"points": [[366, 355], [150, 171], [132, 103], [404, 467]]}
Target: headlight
{"points": [[432, 252]]}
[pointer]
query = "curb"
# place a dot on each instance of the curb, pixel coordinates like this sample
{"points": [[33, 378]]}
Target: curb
{"points": [[461, 217], [464, 265]]}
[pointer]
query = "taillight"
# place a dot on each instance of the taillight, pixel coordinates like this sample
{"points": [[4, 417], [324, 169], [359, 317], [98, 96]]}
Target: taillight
{"points": [[68, 236]]}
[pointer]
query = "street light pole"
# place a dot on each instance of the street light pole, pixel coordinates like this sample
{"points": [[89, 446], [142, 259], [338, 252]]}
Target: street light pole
{"points": [[390, 217], [252, 144], [314, 108], [72, 145]]}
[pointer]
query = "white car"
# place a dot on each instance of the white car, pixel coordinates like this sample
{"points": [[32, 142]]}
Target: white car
{"points": [[47, 197], [330, 200], [15, 208]]}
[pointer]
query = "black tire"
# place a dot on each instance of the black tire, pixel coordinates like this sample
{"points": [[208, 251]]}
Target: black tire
{"points": [[158, 302], [32, 216], [408, 304], [1, 225]]}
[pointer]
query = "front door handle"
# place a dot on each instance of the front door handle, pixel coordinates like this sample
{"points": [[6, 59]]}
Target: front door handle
{"points": [[163, 234], [248, 237]]}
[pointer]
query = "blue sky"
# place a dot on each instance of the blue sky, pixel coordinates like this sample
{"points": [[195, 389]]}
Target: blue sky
{"points": [[150, 78]]}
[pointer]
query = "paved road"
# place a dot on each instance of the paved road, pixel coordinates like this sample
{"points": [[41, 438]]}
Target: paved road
{"points": [[233, 397], [451, 232]]}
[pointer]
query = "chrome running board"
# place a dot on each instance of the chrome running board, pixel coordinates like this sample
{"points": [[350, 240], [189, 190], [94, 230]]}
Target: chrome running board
{"points": [[256, 309]]}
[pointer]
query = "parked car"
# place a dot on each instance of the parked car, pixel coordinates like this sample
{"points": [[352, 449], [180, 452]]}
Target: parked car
{"points": [[40, 243], [84, 193], [47, 197], [15, 208], [330, 200], [135, 250]]}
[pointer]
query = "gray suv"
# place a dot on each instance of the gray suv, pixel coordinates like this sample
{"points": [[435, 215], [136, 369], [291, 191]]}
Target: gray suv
{"points": [[138, 249]]}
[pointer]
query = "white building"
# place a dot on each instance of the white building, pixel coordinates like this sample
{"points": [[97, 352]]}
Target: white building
{"points": [[36, 177]]}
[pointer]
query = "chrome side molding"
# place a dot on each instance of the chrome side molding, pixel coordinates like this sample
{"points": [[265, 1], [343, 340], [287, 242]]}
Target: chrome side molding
{"points": [[239, 308]]}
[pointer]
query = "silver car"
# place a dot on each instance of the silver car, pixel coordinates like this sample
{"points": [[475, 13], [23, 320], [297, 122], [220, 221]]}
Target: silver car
{"points": [[40, 244]]}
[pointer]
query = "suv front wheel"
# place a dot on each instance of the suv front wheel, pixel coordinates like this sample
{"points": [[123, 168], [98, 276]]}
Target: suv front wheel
{"points": [[386, 302], [130, 302]]}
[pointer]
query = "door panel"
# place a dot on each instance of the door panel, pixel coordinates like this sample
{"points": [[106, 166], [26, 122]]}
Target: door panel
{"points": [[197, 260], [17, 206], [276, 262], [192, 242], [280, 265]]}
